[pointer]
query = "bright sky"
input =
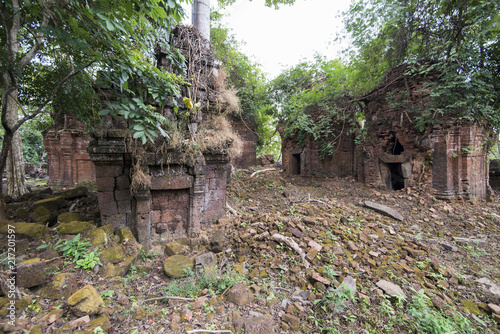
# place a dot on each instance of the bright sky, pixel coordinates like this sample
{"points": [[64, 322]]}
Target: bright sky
{"points": [[279, 39]]}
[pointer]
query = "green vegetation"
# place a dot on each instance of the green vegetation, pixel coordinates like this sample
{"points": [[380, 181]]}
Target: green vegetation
{"points": [[247, 79], [77, 251], [192, 285]]}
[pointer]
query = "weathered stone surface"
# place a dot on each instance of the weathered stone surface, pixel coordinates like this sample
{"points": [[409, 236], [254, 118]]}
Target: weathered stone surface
{"points": [[41, 214], [206, 260], [489, 286], [262, 324], [385, 210], [470, 306], [390, 289], [123, 267], [32, 273], [174, 248], [75, 193], [102, 322], [50, 318], [97, 236], [125, 234], [348, 284], [494, 308], [480, 242], [114, 254], [240, 295], [216, 243], [75, 227], [51, 204], [68, 217], [176, 265], [85, 301], [62, 285], [31, 230]]}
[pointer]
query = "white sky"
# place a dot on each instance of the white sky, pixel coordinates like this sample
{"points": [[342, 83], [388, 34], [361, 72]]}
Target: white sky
{"points": [[279, 39]]}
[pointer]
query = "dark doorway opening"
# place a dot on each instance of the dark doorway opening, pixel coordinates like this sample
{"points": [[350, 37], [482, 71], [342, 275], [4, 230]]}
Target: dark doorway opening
{"points": [[395, 147], [295, 164], [397, 179]]}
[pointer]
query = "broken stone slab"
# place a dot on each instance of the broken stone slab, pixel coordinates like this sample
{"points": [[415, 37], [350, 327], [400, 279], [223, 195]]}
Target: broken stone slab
{"points": [[385, 210], [85, 301], [449, 247], [174, 248], [489, 286], [31, 273], [206, 260], [479, 242], [390, 288], [348, 285]]}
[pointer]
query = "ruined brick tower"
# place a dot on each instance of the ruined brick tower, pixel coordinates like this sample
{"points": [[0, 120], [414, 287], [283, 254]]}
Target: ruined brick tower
{"points": [[395, 152], [170, 189]]}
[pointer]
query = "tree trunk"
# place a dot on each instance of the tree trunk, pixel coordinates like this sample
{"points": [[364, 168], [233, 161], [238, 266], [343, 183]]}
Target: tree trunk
{"points": [[14, 163], [201, 17]]}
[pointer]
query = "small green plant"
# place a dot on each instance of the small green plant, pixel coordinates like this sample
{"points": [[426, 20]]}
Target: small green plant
{"points": [[148, 255], [89, 260], [99, 330], [107, 294], [74, 248]]}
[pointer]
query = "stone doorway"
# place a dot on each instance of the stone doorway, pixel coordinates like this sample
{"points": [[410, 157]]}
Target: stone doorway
{"points": [[397, 179], [295, 164]]}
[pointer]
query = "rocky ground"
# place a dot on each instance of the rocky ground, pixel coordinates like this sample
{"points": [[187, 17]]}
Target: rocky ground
{"points": [[296, 255]]}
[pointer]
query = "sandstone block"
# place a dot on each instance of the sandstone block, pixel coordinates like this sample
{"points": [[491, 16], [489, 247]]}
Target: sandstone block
{"points": [[85, 301]]}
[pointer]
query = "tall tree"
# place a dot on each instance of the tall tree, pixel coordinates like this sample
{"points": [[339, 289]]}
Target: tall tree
{"points": [[460, 38], [111, 37]]}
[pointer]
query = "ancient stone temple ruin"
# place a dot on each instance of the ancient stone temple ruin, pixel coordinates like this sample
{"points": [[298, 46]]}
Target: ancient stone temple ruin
{"points": [[174, 187], [395, 152], [303, 156], [66, 145]]}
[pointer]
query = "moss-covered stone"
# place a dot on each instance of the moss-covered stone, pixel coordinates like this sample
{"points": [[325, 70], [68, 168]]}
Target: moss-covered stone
{"points": [[85, 301], [21, 213], [102, 322], [51, 204], [125, 234], [139, 314], [62, 286], [97, 236], [40, 214], [175, 266], [68, 217], [123, 267], [32, 273], [471, 307], [75, 227], [109, 229], [74, 193], [174, 248], [30, 230], [113, 254]]}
